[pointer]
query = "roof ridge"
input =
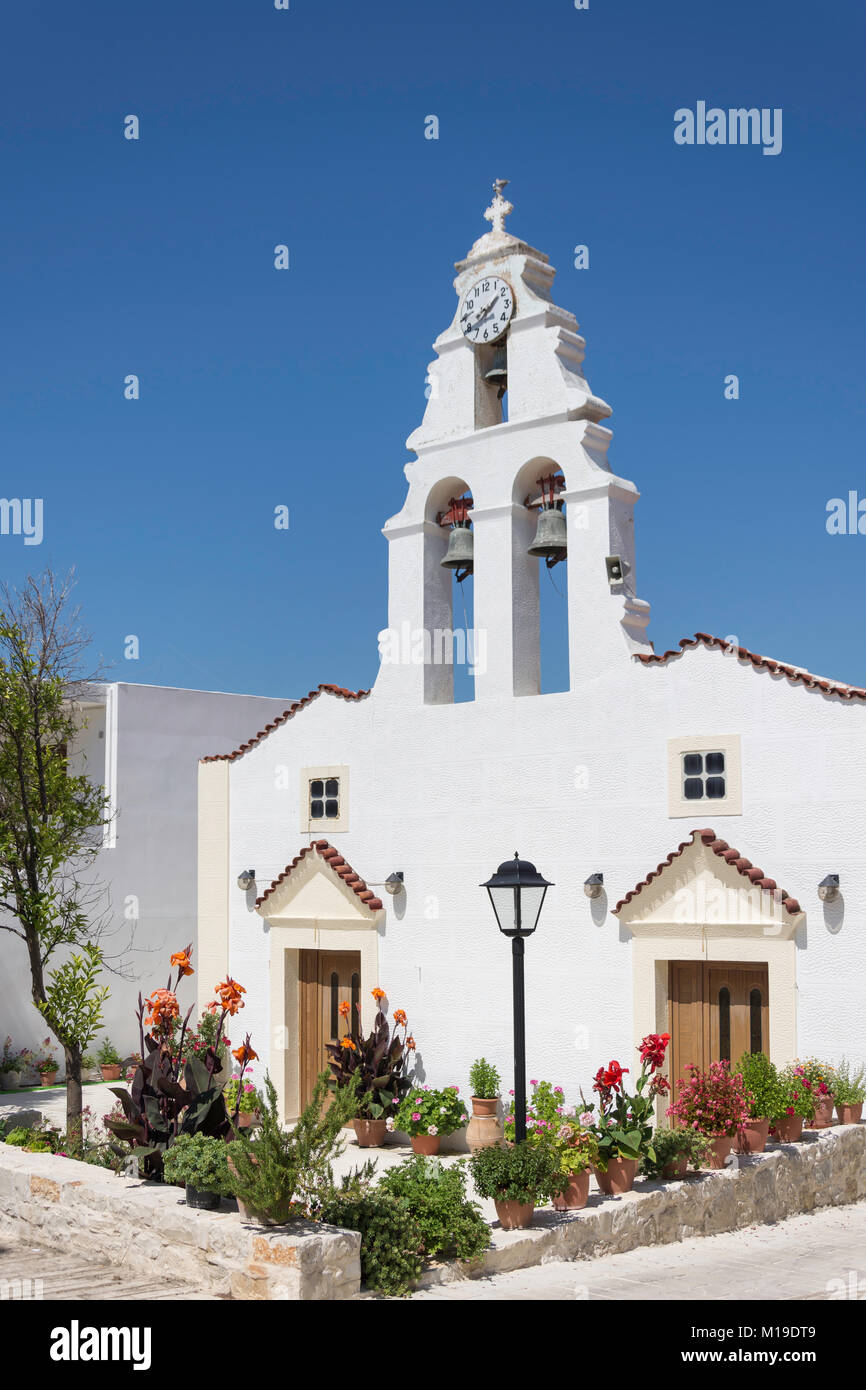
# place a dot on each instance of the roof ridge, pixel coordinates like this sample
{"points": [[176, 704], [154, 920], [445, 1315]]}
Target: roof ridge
{"points": [[327, 853], [731, 856], [282, 718], [767, 663]]}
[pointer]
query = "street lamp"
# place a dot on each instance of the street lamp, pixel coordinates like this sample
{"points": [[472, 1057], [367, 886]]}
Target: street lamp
{"points": [[517, 892]]}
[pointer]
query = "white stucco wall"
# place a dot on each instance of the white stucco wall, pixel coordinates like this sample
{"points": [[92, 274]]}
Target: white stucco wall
{"points": [[154, 735]]}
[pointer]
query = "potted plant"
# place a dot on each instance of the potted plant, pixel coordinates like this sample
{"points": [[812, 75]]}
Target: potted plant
{"points": [[199, 1162], [761, 1085], [484, 1128], [248, 1103], [624, 1127], [110, 1061], [675, 1150], [819, 1078], [426, 1115], [376, 1066], [11, 1065], [569, 1136], [795, 1106], [849, 1092], [714, 1103], [47, 1065], [517, 1178]]}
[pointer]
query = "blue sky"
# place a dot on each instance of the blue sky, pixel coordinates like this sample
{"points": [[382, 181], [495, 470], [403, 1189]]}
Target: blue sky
{"points": [[306, 127]]}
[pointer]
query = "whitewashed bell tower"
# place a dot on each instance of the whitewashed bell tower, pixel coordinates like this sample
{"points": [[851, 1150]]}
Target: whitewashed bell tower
{"points": [[474, 442]]}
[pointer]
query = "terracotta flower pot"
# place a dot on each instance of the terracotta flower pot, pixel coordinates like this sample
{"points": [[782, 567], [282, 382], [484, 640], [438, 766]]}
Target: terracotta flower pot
{"points": [[370, 1133], [247, 1118], [753, 1137], [721, 1147], [789, 1129], [110, 1073], [514, 1216], [47, 1078], [425, 1144], [484, 1105], [575, 1195], [675, 1168], [850, 1114], [823, 1113], [619, 1178]]}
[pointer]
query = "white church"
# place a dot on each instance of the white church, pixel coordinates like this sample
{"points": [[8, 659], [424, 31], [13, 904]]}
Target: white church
{"points": [[699, 813]]}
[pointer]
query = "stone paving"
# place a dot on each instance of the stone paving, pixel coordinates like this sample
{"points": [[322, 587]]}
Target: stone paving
{"points": [[32, 1271], [818, 1256]]}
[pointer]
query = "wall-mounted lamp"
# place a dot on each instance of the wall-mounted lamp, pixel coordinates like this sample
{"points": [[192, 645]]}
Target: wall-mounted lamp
{"points": [[247, 880], [394, 882], [828, 888], [594, 885]]}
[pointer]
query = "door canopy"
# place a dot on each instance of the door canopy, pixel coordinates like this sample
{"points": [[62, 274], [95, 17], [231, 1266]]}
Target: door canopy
{"points": [[319, 885]]}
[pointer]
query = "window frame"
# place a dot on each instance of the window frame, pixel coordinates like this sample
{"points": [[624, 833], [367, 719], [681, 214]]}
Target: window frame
{"points": [[731, 804], [323, 824]]}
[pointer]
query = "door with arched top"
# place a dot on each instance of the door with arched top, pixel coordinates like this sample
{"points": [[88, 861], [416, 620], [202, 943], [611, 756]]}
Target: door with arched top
{"points": [[717, 1010]]}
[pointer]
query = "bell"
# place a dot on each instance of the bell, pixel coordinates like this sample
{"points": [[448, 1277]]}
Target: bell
{"points": [[497, 373], [551, 543], [459, 554]]}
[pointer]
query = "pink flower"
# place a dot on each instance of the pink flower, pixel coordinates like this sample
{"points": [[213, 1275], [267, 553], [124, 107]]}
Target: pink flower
{"points": [[416, 1115]]}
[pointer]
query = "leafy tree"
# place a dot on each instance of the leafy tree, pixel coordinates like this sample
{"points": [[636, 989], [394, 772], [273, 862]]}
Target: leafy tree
{"points": [[50, 821]]}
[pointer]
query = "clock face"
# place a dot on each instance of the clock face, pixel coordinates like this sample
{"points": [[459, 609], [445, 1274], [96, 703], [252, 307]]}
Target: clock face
{"points": [[486, 310]]}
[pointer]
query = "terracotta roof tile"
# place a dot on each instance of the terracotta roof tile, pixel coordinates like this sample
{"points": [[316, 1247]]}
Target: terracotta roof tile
{"points": [[335, 860], [765, 663], [731, 856], [281, 719]]}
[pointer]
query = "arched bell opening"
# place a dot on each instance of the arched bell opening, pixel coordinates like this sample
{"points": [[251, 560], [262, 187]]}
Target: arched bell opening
{"points": [[538, 492], [491, 382], [447, 642]]}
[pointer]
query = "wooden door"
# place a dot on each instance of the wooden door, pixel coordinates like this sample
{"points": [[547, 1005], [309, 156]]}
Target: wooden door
{"points": [[717, 1010], [327, 980]]}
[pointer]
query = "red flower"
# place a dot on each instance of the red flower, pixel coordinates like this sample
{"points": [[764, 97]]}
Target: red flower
{"points": [[653, 1048], [614, 1075]]}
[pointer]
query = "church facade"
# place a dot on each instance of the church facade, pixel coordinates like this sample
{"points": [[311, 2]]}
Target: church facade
{"points": [[699, 813]]}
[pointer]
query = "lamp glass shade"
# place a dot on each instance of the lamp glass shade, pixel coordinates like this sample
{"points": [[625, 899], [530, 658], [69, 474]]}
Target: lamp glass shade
{"points": [[517, 892]]}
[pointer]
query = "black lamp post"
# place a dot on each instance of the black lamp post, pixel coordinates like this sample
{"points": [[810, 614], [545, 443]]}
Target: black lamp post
{"points": [[517, 892]]}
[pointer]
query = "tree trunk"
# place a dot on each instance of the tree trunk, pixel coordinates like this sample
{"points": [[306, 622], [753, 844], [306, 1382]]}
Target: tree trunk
{"points": [[73, 1093]]}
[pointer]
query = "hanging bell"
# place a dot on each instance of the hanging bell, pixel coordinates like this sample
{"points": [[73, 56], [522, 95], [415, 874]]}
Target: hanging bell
{"points": [[497, 373], [459, 554], [551, 542]]}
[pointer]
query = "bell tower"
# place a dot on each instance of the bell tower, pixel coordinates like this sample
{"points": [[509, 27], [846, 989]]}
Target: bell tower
{"points": [[511, 427]]}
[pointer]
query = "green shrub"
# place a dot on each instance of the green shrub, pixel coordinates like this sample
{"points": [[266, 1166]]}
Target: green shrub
{"points": [[108, 1054], [484, 1080], [198, 1160], [761, 1083], [523, 1173], [671, 1144], [19, 1136], [850, 1084], [438, 1112], [391, 1238], [451, 1226]]}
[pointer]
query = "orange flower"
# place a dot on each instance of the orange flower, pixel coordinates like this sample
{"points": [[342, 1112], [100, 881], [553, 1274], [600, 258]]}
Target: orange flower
{"points": [[377, 993], [344, 1009], [399, 1017], [245, 1053], [181, 960], [410, 1043], [163, 1007], [229, 994], [347, 1042]]}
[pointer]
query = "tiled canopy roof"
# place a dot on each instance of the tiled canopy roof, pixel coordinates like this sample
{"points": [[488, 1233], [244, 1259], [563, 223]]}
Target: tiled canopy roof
{"points": [[287, 714], [731, 856], [341, 868], [765, 663]]}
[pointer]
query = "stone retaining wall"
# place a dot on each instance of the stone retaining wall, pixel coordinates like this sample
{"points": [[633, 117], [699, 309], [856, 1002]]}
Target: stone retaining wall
{"points": [[827, 1169], [148, 1228]]}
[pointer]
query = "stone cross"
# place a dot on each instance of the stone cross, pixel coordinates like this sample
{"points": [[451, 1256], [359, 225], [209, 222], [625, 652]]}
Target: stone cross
{"points": [[499, 208]]}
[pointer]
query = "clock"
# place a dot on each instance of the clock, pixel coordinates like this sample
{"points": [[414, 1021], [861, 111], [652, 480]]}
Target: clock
{"points": [[486, 310]]}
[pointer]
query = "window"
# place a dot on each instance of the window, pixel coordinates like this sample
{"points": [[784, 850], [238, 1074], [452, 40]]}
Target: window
{"points": [[704, 772], [325, 799], [704, 776]]}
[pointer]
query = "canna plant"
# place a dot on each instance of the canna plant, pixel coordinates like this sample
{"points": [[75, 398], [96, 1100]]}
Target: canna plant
{"points": [[377, 1064], [171, 1093], [624, 1127]]}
